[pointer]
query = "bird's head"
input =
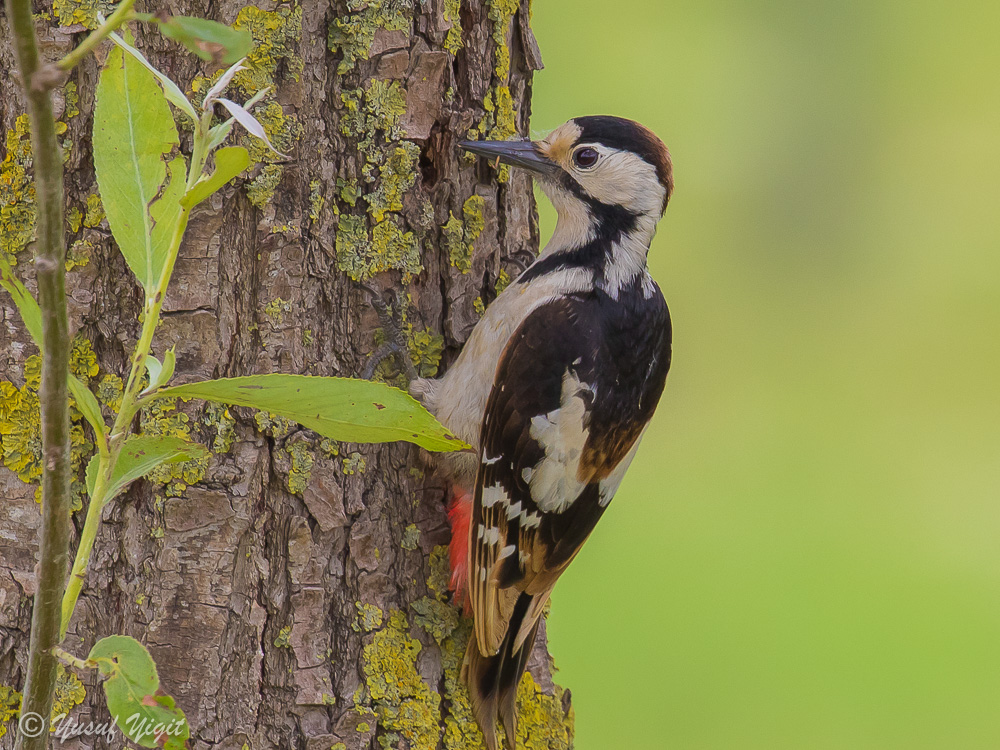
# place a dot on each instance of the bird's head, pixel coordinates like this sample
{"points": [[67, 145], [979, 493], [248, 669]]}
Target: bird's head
{"points": [[599, 172]]}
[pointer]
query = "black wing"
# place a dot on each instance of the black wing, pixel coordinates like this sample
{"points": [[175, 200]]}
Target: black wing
{"points": [[573, 391]]}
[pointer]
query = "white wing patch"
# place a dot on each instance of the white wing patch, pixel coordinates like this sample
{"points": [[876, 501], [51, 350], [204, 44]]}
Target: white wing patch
{"points": [[562, 433]]}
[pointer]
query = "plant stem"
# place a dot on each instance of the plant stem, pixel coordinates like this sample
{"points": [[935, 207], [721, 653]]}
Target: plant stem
{"points": [[54, 394], [133, 387], [116, 19], [74, 661]]}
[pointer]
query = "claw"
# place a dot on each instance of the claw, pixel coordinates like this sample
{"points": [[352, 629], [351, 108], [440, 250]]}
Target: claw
{"points": [[395, 345]]}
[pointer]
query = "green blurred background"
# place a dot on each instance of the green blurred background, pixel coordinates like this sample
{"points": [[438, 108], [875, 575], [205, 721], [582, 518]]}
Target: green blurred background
{"points": [[806, 553]]}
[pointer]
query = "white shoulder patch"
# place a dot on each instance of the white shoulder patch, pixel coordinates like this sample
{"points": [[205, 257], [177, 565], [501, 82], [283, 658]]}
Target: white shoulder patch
{"points": [[562, 434]]}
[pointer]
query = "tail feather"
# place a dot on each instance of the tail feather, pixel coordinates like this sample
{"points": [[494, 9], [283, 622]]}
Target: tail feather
{"points": [[493, 680]]}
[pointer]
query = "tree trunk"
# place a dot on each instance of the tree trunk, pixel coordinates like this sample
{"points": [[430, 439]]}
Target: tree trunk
{"points": [[292, 591]]}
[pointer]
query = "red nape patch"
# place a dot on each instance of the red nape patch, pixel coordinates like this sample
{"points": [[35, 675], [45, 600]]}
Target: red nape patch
{"points": [[460, 516]]}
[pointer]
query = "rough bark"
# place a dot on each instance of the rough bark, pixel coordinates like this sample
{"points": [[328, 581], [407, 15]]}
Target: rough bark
{"points": [[291, 591]]}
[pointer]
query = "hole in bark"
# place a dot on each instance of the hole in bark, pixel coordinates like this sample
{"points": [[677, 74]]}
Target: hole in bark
{"points": [[429, 157]]}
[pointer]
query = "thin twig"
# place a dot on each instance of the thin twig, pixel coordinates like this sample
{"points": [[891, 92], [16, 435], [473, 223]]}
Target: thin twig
{"points": [[54, 394], [98, 35]]}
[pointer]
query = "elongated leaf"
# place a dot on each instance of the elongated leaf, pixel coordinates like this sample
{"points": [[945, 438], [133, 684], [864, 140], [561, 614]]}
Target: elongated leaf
{"points": [[132, 689], [170, 89], [218, 134], [229, 162], [139, 456], [210, 40], [222, 83], [356, 411], [31, 313], [247, 120], [133, 131], [88, 406]]}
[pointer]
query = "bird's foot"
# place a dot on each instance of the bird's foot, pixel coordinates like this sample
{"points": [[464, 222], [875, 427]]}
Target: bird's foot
{"points": [[395, 344]]}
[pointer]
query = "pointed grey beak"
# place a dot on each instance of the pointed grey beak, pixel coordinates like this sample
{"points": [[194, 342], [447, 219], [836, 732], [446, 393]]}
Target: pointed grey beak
{"points": [[516, 153]]}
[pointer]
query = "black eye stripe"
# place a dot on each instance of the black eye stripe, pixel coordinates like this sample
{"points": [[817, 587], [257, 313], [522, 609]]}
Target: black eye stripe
{"points": [[586, 157]]}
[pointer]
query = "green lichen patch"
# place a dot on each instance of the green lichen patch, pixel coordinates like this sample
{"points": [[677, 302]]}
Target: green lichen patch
{"points": [[402, 701], [69, 692], [162, 418], [499, 121], [440, 575], [368, 618], [72, 99], [110, 392], [348, 191], [95, 211], [460, 235], [352, 35], [501, 15], [283, 131], [396, 175], [82, 360], [276, 309], [17, 192], [461, 732], [503, 281], [453, 235], [316, 200], [85, 12], [388, 248], [411, 537], [373, 115], [302, 465], [10, 706], [276, 36], [542, 723], [272, 425], [426, 348], [282, 639], [218, 418], [355, 464], [74, 218], [78, 255], [20, 421], [452, 14], [436, 617]]}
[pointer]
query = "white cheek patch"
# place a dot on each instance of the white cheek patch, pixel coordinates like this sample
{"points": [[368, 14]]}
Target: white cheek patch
{"points": [[625, 179], [562, 434]]}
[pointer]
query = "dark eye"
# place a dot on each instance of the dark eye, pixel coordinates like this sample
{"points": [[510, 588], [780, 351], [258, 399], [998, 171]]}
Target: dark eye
{"points": [[586, 158]]}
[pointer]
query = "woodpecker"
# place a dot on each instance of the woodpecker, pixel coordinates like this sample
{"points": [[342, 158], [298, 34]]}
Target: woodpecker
{"points": [[554, 390]]}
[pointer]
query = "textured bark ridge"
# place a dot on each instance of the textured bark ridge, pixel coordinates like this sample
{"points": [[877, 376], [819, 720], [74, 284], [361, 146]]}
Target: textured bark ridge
{"points": [[292, 591]]}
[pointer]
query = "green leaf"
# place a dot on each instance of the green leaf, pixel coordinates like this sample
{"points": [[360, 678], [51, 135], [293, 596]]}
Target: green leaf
{"points": [[356, 411], [133, 133], [31, 313], [145, 716], [170, 89], [88, 406], [140, 455], [210, 40], [229, 162]]}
